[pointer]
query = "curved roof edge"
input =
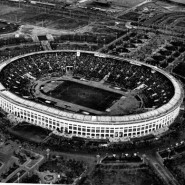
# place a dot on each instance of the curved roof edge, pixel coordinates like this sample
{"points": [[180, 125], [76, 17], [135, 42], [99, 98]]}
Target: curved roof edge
{"points": [[175, 101]]}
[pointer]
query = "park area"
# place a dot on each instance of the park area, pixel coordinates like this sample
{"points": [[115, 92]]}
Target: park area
{"points": [[6, 27], [122, 174], [68, 170], [38, 17], [30, 132], [176, 166], [179, 70]]}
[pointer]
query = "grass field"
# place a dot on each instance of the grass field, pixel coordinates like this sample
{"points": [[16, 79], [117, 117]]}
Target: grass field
{"points": [[181, 23], [41, 18], [176, 166], [4, 9], [179, 69], [30, 132], [33, 16], [123, 175], [87, 96]]}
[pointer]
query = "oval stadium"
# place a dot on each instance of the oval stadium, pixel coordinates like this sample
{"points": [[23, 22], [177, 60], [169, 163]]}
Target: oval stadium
{"points": [[89, 94]]}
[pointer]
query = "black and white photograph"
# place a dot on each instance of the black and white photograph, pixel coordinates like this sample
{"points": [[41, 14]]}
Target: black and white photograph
{"points": [[92, 92]]}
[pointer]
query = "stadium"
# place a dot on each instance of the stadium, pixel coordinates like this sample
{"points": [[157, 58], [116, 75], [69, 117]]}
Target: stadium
{"points": [[89, 94]]}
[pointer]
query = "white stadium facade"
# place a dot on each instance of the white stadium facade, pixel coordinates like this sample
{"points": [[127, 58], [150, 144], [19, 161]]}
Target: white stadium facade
{"points": [[92, 126]]}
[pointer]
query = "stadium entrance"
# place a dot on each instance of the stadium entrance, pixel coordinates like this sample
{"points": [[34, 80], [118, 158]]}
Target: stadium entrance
{"points": [[69, 70]]}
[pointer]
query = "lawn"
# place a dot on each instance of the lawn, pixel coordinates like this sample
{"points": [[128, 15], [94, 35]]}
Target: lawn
{"points": [[36, 17], [30, 132], [87, 96], [179, 69], [118, 175]]}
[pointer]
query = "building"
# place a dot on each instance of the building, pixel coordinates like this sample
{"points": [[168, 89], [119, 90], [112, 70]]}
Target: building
{"points": [[71, 123]]}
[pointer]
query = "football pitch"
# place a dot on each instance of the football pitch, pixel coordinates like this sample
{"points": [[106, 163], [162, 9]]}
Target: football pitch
{"points": [[84, 95]]}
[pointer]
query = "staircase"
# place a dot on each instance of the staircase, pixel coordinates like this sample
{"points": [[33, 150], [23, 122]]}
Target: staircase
{"points": [[46, 45]]}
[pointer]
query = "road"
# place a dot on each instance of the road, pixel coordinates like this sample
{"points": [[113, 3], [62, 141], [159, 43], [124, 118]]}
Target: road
{"points": [[134, 7], [156, 162]]}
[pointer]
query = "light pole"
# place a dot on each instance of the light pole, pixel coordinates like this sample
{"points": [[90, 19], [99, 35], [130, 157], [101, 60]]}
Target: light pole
{"points": [[104, 41], [98, 158], [18, 174], [48, 151], [20, 148], [42, 23], [16, 18]]}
